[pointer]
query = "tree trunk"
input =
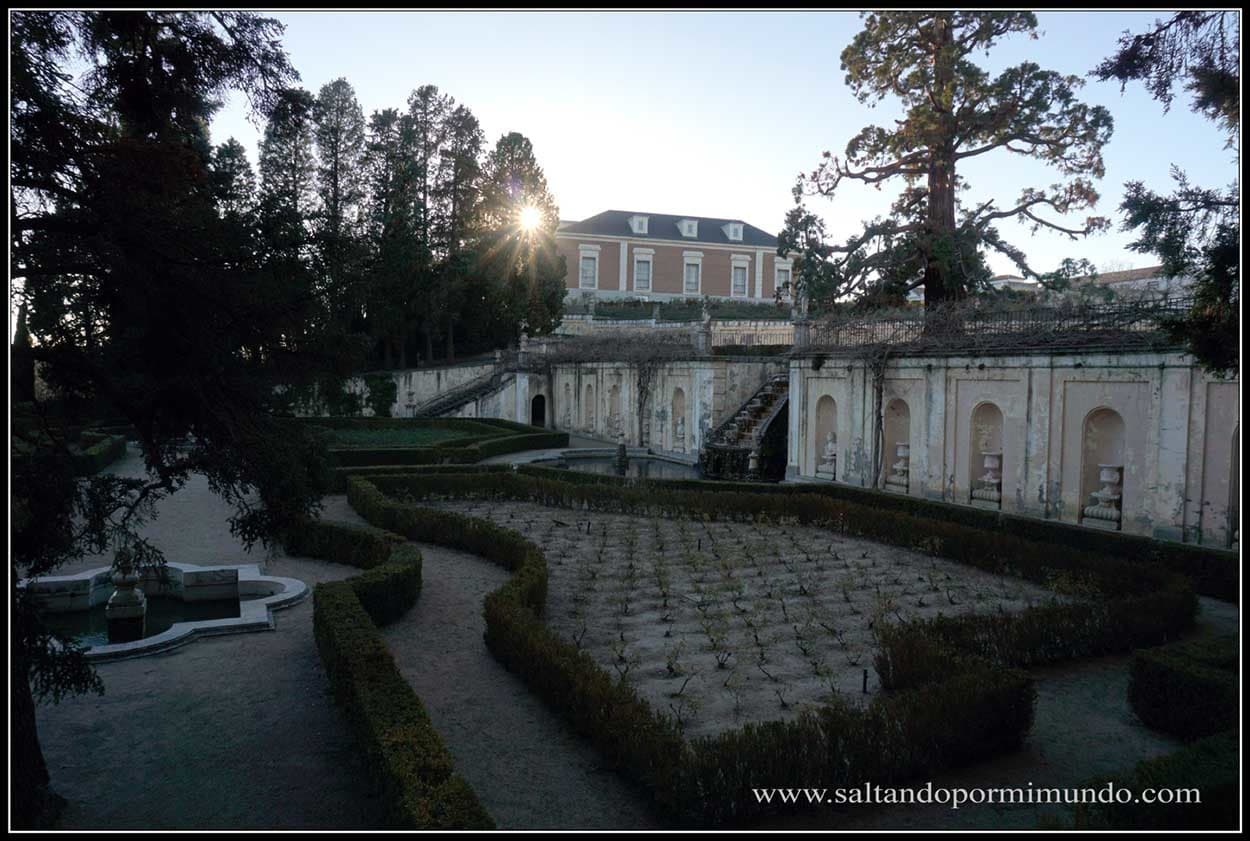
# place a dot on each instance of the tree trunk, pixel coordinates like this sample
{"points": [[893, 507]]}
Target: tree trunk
{"points": [[451, 339], [939, 285], [429, 344], [29, 780]]}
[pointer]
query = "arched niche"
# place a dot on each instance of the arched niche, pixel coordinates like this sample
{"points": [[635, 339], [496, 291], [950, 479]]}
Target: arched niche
{"points": [[677, 421], [896, 429], [588, 408], [1102, 468], [826, 437], [985, 456]]}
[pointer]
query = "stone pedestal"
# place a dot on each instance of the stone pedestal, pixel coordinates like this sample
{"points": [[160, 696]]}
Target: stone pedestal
{"points": [[900, 471], [987, 492], [753, 466], [828, 466], [1104, 512], [622, 458], [127, 609]]}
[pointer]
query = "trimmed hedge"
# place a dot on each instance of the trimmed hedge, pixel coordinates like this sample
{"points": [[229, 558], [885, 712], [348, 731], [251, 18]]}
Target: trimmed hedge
{"points": [[1187, 689], [977, 711], [468, 453], [420, 789], [1210, 766], [1215, 572], [404, 753]]}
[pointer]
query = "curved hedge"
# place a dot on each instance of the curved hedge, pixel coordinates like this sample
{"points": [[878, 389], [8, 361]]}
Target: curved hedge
{"points": [[971, 713], [1214, 572], [404, 753]]}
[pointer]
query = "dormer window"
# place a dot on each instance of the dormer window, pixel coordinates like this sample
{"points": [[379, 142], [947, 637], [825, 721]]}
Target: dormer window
{"points": [[689, 228], [733, 231], [638, 224]]}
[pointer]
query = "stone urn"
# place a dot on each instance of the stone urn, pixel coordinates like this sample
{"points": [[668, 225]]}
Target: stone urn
{"points": [[989, 488], [1105, 510], [127, 608], [901, 469]]}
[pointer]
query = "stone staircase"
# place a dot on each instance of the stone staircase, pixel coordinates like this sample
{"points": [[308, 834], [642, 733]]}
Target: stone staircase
{"points": [[727, 454], [462, 395]]}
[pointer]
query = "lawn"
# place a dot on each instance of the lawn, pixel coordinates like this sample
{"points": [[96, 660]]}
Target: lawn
{"points": [[410, 435]]}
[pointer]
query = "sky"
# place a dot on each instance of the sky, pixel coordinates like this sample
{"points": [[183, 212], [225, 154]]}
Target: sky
{"points": [[717, 113]]}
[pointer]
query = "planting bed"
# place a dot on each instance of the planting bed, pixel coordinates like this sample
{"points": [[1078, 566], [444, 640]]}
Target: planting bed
{"points": [[722, 623]]}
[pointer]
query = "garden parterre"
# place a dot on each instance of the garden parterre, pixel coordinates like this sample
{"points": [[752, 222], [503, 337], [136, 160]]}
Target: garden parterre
{"points": [[719, 623]]}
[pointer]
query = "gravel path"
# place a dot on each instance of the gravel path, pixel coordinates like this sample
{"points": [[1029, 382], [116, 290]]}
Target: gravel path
{"points": [[530, 770], [229, 732], [1084, 727]]}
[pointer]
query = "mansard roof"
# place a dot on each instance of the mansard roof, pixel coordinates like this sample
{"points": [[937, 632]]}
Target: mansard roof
{"points": [[615, 223]]}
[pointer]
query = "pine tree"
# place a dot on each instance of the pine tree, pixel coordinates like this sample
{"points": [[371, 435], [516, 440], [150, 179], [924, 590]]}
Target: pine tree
{"points": [[1195, 231], [144, 298], [521, 267], [339, 131], [955, 111]]}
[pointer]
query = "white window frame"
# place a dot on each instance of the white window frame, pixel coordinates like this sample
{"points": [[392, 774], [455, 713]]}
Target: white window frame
{"points": [[740, 261], [692, 258], [645, 255], [584, 252], [778, 267], [638, 224], [689, 228], [733, 231]]}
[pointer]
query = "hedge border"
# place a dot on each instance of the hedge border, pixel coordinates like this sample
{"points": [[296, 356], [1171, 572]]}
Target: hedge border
{"points": [[404, 752], [973, 706], [1187, 689], [1215, 572]]}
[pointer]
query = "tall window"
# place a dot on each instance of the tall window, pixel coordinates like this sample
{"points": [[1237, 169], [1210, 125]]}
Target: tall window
{"points": [[692, 277], [589, 271], [739, 281], [783, 281], [642, 274]]}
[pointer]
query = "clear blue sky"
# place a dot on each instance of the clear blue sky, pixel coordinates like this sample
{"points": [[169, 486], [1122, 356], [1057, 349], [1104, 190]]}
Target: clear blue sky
{"points": [[716, 113]]}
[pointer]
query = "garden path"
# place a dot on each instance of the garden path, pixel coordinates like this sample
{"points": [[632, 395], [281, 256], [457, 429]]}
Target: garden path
{"points": [[529, 769]]}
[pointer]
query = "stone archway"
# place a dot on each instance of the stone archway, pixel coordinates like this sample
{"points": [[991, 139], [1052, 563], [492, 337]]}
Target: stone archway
{"points": [[538, 411]]}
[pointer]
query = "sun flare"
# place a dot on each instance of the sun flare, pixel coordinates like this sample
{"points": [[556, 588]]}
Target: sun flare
{"points": [[530, 218]]}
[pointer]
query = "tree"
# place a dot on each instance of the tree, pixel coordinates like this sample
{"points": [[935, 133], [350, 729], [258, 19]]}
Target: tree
{"points": [[339, 130], [1195, 231], [454, 198], [954, 111], [234, 183], [427, 122], [521, 267], [392, 234], [145, 299]]}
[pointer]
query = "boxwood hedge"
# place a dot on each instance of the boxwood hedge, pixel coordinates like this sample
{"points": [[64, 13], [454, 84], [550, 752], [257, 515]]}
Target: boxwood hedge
{"points": [[955, 694], [1187, 689], [404, 753]]}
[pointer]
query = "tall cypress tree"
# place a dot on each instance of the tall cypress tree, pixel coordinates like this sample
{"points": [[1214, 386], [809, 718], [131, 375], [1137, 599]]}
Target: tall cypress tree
{"points": [[339, 131]]}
